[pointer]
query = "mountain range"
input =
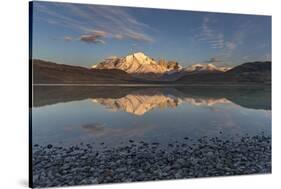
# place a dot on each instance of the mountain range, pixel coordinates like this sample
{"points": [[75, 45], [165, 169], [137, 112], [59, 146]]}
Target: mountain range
{"points": [[138, 63], [142, 66], [45, 72], [137, 68]]}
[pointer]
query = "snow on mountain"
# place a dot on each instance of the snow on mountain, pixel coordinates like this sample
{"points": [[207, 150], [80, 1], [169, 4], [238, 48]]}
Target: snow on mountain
{"points": [[138, 63], [143, 66], [206, 68]]}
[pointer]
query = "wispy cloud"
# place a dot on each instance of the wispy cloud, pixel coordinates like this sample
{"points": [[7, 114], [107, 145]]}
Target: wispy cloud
{"points": [[68, 38], [230, 45], [96, 37], [92, 38], [234, 42], [215, 38], [115, 22], [213, 60], [209, 35]]}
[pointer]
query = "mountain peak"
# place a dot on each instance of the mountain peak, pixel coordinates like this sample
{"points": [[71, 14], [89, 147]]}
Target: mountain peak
{"points": [[138, 63], [139, 54], [140, 58], [206, 68]]}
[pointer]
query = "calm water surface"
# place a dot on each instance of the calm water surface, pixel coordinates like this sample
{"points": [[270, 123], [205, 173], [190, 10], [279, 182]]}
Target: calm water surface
{"points": [[67, 116]]}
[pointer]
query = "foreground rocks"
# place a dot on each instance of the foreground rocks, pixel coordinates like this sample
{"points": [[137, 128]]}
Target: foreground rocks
{"points": [[141, 161]]}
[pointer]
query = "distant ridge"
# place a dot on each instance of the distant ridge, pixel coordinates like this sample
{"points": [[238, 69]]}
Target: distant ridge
{"points": [[251, 72], [252, 67], [45, 72]]}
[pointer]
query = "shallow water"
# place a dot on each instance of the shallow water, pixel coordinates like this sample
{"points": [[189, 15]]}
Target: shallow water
{"points": [[65, 116]]}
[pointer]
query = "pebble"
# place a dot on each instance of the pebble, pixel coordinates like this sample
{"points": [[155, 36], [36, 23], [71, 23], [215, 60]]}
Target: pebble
{"points": [[55, 166]]}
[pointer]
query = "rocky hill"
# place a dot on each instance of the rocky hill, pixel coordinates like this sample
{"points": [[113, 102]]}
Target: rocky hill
{"points": [[45, 72], [252, 72]]}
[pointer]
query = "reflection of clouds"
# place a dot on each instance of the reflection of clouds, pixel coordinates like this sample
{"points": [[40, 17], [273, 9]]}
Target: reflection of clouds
{"points": [[241, 121], [100, 130], [94, 127], [207, 121]]}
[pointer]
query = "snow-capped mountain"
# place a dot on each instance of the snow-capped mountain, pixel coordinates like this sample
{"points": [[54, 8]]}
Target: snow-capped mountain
{"points": [[195, 69], [138, 63], [206, 68], [141, 65]]}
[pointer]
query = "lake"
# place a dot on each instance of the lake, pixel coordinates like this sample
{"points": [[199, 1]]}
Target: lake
{"points": [[115, 118], [161, 115]]}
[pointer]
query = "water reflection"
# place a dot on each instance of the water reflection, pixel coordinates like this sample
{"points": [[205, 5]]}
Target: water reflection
{"points": [[141, 104], [100, 131], [139, 101], [69, 115], [181, 130]]}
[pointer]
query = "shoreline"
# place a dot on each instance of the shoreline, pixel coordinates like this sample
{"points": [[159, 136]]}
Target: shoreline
{"points": [[157, 85], [141, 161]]}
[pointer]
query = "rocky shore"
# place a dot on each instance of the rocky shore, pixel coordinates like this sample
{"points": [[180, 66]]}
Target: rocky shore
{"points": [[141, 161]]}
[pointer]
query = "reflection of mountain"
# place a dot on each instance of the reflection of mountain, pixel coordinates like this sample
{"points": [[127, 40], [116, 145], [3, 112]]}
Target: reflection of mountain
{"points": [[138, 100], [206, 102], [139, 105]]}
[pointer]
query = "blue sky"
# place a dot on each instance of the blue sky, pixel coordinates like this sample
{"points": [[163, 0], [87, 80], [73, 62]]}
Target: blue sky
{"points": [[81, 34]]}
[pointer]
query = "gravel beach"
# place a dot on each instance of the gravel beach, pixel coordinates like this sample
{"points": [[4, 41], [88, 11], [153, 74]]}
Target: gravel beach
{"points": [[140, 161]]}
